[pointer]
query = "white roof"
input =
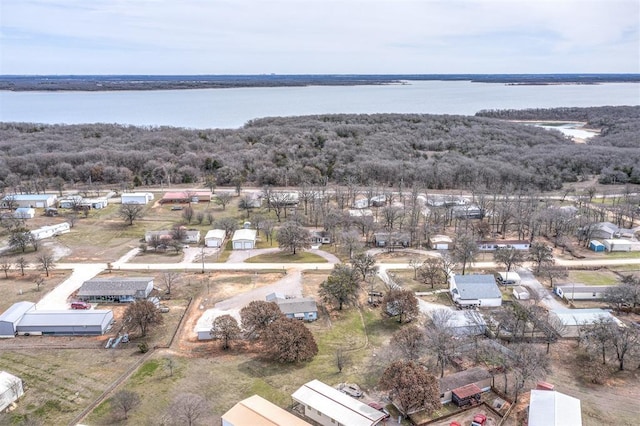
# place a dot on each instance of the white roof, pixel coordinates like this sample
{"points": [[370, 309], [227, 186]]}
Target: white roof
{"points": [[6, 380], [16, 311], [205, 322], [89, 317], [244, 234], [574, 317], [215, 233], [337, 405], [549, 408]]}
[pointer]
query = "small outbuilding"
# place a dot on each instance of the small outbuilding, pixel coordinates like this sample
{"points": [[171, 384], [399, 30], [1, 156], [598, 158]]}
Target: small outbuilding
{"points": [[256, 410], [215, 238], [441, 242], [11, 389], [244, 239], [552, 408], [478, 377], [596, 246], [24, 213], [619, 244], [521, 293]]}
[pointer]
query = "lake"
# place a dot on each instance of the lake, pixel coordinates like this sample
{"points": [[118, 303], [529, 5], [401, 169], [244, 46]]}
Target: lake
{"points": [[231, 108]]}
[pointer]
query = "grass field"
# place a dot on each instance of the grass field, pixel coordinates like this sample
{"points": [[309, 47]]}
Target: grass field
{"points": [[603, 277], [286, 257]]}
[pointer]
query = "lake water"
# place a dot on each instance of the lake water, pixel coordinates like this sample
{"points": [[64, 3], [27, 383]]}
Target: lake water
{"points": [[231, 108]]}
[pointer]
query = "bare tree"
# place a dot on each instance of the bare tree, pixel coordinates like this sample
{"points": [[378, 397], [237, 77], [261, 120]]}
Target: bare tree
{"points": [[540, 254], [342, 359], [39, 282], [410, 341], [351, 241], [124, 401], [169, 365], [21, 262], [188, 408], [440, 339], [142, 314], [365, 264], [5, 265], [292, 236], [169, 278], [223, 199], [415, 265], [130, 212], [187, 214], [46, 261], [431, 272], [510, 257], [528, 364], [465, 250], [402, 304]]}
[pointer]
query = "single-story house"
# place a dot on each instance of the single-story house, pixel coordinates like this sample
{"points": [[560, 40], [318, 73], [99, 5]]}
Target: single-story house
{"points": [[602, 230], [570, 320], [11, 317], [596, 246], [477, 376], [122, 289], [391, 239], [508, 278], [521, 293], [476, 290], [184, 197], [619, 244], [257, 411], [24, 213], [496, 244], [552, 408], [91, 322], [329, 407], [446, 200], [38, 201], [94, 203], [163, 236], [361, 203], [136, 198], [581, 292], [70, 202], [51, 231], [11, 389], [469, 211], [303, 308], [284, 198], [441, 242], [215, 238], [244, 239], [320, 237], [192, 236]]}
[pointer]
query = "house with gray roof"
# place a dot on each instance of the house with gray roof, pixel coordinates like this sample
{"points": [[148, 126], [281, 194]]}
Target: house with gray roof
{"points": [[475, 290], [118, 290], [303, 308]]}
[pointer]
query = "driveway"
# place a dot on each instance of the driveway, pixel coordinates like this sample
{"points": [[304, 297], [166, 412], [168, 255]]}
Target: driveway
{"points": [[57, 299], [547, 298]]}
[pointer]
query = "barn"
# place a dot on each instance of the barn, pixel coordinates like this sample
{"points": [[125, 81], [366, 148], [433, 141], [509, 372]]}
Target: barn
{"points": [[92, 322], [136, 197], [11, 389], [215, 238], [119, 290], [10, 318], [244, 239], [38, 201]]}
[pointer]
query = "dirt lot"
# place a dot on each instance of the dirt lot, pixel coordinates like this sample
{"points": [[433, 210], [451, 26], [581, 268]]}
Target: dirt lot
{"points": [[19, 288]]}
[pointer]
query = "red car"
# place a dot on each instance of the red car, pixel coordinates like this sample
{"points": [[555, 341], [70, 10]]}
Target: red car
{"points": [[479, 420], [80, 305]]}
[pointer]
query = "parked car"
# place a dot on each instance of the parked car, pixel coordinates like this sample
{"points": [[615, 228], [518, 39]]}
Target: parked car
{"points": [[351, 390], [80, 305], [380, 407], [479, 420]]}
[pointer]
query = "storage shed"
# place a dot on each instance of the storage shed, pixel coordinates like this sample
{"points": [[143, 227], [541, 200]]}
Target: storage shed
{"points": [[465, 395], [552, 408], [478, 377], [441, 242], [119, 290], [24, 213], [244, 239], [11, 389], [596, 246], [12, 316], [215, 238], [621, 245], [521, 293], [92, 322]]}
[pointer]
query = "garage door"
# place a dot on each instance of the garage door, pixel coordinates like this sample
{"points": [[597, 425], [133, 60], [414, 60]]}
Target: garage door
{"points": [[442, 246], [237, 245], [247, 245]]}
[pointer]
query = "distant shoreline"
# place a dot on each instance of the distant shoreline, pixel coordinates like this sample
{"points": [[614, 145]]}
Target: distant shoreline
{"points": [[93, 83]]}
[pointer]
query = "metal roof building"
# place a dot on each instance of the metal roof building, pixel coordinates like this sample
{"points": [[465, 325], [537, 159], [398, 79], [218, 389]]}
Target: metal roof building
{"points": [[121, 289], [10, 389], [328, 406], [92, 322], [10, 318], [551, 408], [257, 411], [244, 239], [480, 290]]}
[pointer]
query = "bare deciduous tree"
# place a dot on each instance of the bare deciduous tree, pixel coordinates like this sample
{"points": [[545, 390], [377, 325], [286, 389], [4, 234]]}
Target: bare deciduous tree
{"points": [[188, 408], [124, 401], [130, 212], [169, 278]]}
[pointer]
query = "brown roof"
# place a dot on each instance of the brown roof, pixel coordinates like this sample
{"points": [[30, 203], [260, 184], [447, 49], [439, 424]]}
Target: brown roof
{"points": [[257, 411], [467, 391]]}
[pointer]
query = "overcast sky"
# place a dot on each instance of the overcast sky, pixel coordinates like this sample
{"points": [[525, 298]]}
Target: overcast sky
{"points": [[319, 36]]}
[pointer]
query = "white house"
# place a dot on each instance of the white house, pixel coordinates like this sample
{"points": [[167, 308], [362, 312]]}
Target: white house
{"points": [[552, 408], [244, 239], [24, 213], [619, 244], [51, 231], [329, 407], [475, 290], [581, 292], [215, 238], [494, 245], [11, 389], [192, 236], [136, 197]]}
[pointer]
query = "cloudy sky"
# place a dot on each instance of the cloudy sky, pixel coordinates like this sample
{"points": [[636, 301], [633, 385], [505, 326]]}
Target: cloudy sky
{"points": [[318, 36]]}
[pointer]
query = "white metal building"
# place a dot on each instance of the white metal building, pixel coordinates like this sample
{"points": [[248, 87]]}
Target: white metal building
{"points": [[244, 239], [24, 213], [10, 318], [51, 231], [92, 322], [39, 201], [136, 197], [478, 290], [11, 389], [621, 245], [256, 410], [215, 238], [573, 319], [441, 242], [329, 407], [552, 408], [581, 292]]}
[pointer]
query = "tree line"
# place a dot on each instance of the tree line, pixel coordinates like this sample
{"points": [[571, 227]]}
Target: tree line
{"points": [[432, 151]]}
